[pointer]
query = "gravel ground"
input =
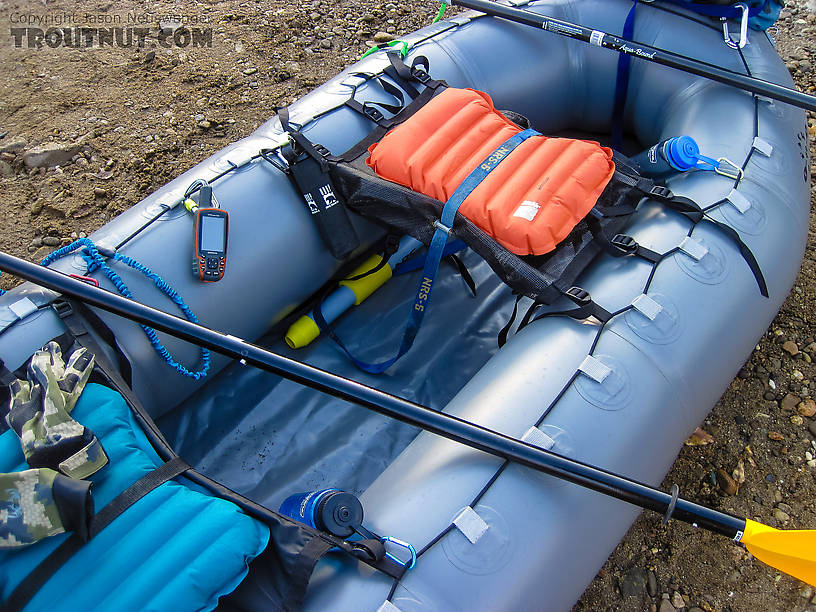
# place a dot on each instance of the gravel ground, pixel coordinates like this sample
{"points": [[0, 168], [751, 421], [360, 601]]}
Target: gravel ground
{"points": [[124, 121]]}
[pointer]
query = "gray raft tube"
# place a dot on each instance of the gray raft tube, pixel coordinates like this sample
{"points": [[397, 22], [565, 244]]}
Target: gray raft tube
{"points": [[276, 259], [545, 540]]}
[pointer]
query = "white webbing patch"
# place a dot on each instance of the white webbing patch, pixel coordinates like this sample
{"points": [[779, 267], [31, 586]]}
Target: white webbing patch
{"points": [[536, 437], [739, 201], [647, 306], [470, 524], [762, 146], [387, 606], [22, 308], [595, 369], [693, 249], [527, 210]]}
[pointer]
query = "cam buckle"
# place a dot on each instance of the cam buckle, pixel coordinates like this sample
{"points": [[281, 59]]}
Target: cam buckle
{"points": [[420, 75], [580, 296], [625, 243], [63, 309], [661, 193], [321, 149], [372, 113]]}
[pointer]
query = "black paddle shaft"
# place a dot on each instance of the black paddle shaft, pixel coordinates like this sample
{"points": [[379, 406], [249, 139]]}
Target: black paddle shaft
{"points": [[645, 52], [451, 427]]}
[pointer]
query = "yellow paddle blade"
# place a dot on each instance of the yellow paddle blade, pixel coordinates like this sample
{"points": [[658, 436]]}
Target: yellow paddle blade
{"points": [[793, 551]]}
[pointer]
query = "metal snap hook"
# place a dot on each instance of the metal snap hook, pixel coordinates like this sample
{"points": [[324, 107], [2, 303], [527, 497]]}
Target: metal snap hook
{"points": [[408, 564], [731, 170], [743, 39]]}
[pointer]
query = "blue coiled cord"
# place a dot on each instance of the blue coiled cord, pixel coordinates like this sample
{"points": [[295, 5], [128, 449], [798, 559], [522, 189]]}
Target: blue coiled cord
{"points": [[95, 261]]}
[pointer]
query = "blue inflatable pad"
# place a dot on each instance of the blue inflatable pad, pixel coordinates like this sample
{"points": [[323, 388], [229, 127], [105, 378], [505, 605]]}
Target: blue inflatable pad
{"points": [[177, 548]]}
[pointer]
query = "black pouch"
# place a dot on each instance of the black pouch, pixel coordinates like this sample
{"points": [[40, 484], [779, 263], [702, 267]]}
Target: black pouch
{"points": [[309, 171], [327, 209]]}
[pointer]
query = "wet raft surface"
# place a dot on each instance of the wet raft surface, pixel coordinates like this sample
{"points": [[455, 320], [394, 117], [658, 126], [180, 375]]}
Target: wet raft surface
{"points": [[269, 438]]}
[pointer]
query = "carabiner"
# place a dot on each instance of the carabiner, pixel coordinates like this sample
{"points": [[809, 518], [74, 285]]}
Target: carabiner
{"points": [[731, 170], [404, 545], [743, 39]]}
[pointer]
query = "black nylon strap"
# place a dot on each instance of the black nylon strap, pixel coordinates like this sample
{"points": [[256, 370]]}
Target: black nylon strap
{"points": [[304, 143], [60, 555], [502, 339], [297, 574], [586, 309], [69, 313], [649, 255], [135, 492], [383, 126], [390, 247], [392, 74], [463, 272], [692, 211]]}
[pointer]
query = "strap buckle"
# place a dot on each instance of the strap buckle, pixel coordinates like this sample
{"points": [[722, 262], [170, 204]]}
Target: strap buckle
{"points": [[661, 193], [63, 309], [743, 39], [580, 296], [420, 75], [321, 149], [372, 113], [625, 243]]}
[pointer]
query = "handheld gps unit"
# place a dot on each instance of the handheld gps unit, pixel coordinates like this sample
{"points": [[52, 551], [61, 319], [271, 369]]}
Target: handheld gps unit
{"points": [[210, 232]]}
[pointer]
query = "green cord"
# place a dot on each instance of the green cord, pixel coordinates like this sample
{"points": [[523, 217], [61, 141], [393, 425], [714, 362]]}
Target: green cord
{"points": [[440, 13], [403, 51]]}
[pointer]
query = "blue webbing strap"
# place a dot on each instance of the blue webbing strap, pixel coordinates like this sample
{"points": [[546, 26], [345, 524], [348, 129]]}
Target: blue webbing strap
{"points": [[622, 82], [417, 262], [434, 255]]}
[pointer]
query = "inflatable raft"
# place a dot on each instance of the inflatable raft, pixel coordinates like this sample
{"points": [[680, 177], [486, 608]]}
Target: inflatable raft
{"points": [[622, 395]]}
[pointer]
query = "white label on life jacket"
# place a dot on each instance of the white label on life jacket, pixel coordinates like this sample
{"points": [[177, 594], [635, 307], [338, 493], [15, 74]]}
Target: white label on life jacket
{"points": [[596, 38], [527, 210]]}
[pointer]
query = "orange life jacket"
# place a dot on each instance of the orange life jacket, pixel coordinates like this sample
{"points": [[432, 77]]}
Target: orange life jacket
{"points": [[529, 203]]}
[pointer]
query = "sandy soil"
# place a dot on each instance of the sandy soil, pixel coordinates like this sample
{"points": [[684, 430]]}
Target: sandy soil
{"points": [[127, 120]]}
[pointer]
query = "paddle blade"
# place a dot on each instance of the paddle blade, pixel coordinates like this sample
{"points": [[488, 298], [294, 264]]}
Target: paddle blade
{"points": [[793, 551]]}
